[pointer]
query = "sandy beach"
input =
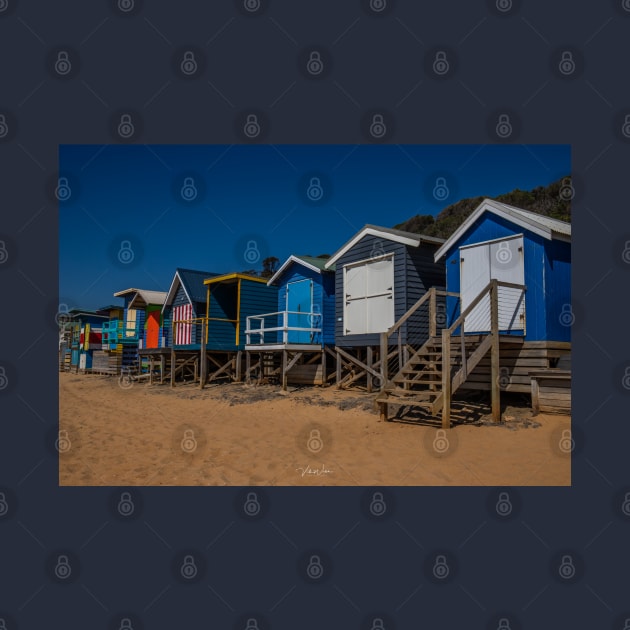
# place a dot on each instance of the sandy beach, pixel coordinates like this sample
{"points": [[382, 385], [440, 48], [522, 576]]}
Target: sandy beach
{"points": [[241, 435]]}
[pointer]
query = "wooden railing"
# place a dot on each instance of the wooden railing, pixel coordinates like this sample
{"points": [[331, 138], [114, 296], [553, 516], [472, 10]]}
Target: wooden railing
{"points": [[450, 384], [400, 358]]}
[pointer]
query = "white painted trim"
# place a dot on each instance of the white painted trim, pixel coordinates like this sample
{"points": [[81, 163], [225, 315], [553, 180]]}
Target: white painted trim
{"points": [[493, 240], [287, 262], [364, 261], [488, 205], [413, 242], [168, 295]]}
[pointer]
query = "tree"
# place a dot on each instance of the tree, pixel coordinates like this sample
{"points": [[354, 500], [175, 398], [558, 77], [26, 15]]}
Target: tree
{"points": [[270, 265]]}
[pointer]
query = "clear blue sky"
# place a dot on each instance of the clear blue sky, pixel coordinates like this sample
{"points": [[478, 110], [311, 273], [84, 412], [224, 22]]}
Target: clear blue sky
{"points": [[257, 193]]}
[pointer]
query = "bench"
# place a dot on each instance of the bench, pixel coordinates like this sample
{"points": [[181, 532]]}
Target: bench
{"points": [[551, 388]]}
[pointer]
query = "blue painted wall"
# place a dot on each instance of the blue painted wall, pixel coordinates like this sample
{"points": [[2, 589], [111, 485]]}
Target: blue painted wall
{"points": [[558, 289], [256, 298], [547, 276], [323, 297]]}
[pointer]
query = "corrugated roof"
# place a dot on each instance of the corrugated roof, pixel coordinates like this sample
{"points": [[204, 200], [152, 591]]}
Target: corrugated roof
{"points": [[193, 283], [316, 264], [539, 224], [404, 233], [320, 263], [147, 296], [410, 239], [555, 225]]}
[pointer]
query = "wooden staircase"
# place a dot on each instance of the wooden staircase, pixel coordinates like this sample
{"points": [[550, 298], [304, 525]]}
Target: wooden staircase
{"points": [[435, 371], [419, 383]]}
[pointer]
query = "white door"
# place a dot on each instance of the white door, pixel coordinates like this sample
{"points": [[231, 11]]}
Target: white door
{"points": [[380, 295], [499, 260], [369, 296]]}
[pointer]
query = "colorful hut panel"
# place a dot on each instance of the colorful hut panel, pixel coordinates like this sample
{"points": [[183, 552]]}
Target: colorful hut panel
{"points": [[143, 317], [231, 299], [521, 247], [380, 274], [306, 300], [185, 307]]}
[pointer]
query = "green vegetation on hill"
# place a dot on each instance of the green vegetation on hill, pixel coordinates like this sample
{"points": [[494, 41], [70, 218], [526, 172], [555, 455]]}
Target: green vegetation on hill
{"points": [[545, 200]]}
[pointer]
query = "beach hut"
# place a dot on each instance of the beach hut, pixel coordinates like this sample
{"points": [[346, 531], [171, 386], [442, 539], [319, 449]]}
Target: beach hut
{"points": [[508, 312], [509, 244], [231, 298], [185, 307], [292, 341], [380, 274], [80, 338], [144, 326], [118, 344]]}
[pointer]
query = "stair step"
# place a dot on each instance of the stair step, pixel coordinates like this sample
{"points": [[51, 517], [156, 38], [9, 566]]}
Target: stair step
{"points": [[397, 391], [406, 401], [412, 371], [416, 382]]}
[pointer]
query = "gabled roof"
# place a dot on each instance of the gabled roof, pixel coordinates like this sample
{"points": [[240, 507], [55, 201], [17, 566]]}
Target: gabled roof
{"points": [[310, 262], [390, 234], [191, 281], [143, 297], [231, 277], [79, 312], [546, 227]]}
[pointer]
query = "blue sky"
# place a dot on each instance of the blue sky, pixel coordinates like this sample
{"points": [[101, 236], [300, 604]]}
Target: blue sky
{"points": [[127, 224]]}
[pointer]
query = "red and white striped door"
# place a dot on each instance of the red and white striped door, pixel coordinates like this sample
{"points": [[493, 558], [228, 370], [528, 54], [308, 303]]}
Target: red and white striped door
{"points": [[182, 331]]}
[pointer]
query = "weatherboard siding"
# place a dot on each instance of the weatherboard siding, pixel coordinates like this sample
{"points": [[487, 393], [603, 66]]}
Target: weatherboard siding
{"points": [[256, 298], [558, 290], [547, 275], [421, 274], [323, 298]]}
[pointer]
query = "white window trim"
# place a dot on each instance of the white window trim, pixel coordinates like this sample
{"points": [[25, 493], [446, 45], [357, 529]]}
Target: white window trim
{"points": [[361, 263]]}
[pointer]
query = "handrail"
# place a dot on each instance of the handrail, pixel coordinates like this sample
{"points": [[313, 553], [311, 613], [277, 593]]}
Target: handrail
{"points": [[416, 306], [285, 328], [469, 308], [451, 383]]}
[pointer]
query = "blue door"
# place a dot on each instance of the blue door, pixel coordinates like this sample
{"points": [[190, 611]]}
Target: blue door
{"points": [[299, 306]]}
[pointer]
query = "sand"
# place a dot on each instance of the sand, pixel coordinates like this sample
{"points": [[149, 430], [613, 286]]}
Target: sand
{"points": [[235, 434]]}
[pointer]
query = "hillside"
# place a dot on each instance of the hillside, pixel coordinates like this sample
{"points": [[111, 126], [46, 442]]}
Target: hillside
{"points": [[545, 200]]}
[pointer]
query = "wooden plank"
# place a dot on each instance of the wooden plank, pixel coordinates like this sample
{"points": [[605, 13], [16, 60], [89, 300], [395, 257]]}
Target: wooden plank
{"points": [[432, 313], [222, 369], [305, 375], [517, 362], [485, 386], [239, 361], [557, 395], [338, 369], [535, 398], [324, 377], [284, 370], [557, 345], [384, 361], [481, 351], [357, 362], [494, 333], [173, 360], [446, 379], [555, 390], [293, 360], [369, 361]]}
